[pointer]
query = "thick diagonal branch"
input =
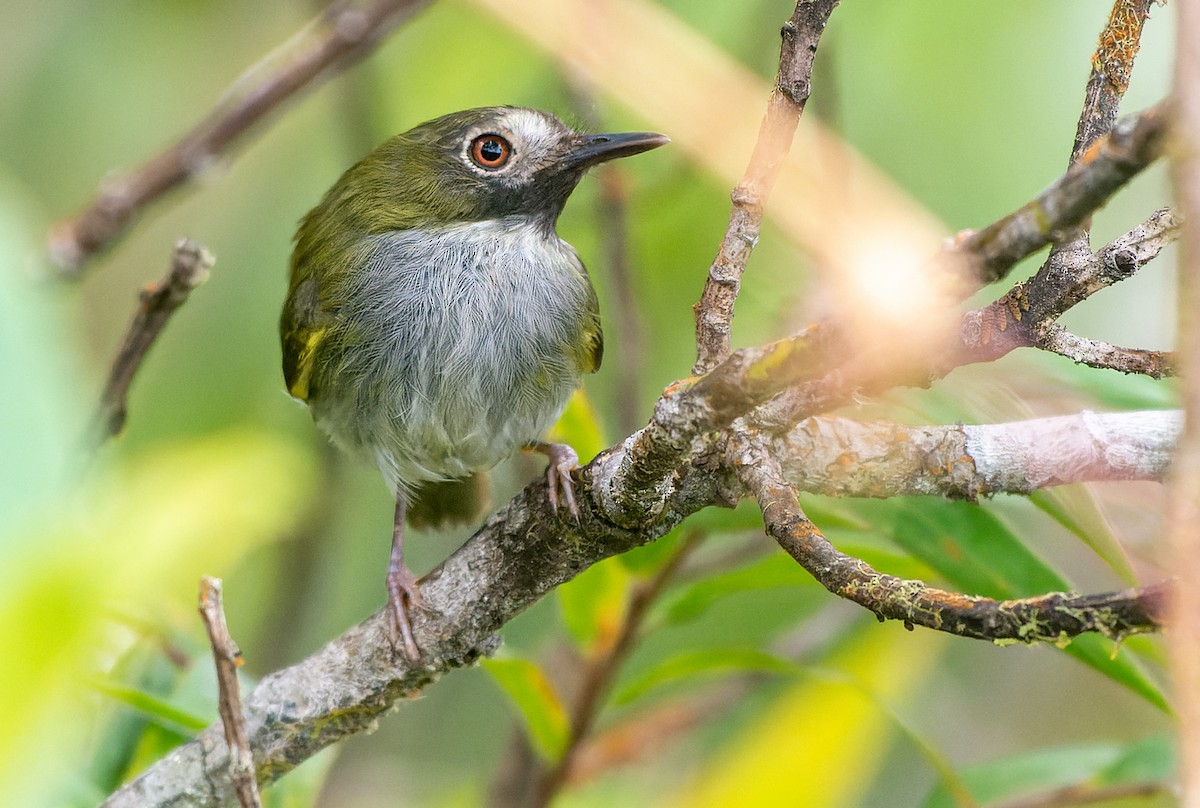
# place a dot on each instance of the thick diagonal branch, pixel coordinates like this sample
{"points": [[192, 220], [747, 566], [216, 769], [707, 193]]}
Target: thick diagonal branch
{"points": [[522, 553]]}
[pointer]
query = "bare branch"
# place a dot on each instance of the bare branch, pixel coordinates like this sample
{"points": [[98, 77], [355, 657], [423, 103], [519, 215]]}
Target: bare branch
{"points": [[1098, 354], [714, 311], [190, 264], [688, 411], [1072, 272], [986, 333], [340, 36], [845, 458], [228, 659], [1053, 617], [524, 551], [1024, 317]]}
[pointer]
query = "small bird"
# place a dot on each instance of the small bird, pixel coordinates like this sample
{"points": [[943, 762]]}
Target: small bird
{"points": [[435, 323]]}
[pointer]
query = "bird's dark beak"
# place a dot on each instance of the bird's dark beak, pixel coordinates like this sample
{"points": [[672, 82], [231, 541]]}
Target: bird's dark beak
{"points": [[589, 150]]}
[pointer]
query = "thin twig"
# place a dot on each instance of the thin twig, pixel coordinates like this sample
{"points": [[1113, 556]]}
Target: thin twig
{"points": [[602, 670], [1025, 316], [1072, 271], [1070, 260], [749, 378], [688, 411], [340, 36], [190, 264], [1102, 355], [714, 312], [228, 659], [1112, 68]]}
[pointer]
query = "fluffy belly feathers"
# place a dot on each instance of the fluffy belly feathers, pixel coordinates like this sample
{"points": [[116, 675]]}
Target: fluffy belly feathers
{"points": [[459, 359]]}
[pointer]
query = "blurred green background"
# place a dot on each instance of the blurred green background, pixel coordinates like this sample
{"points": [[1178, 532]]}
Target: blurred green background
{"points": [[969, 106]]}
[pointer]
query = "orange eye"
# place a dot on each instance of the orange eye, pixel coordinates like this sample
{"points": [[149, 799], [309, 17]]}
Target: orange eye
{"points": [[490, 151]]}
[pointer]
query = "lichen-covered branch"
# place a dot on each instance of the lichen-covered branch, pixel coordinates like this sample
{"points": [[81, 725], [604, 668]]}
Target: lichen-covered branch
{"points": [[1102, 355], [1112, 68], [1072, 271], [340, 36], [522, 553], [1053, 617], [714, 312], [1026, 315], [694, 409]]}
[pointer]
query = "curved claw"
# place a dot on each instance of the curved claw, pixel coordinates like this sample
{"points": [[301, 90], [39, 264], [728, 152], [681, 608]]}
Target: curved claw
{"points": [[563, 460]]}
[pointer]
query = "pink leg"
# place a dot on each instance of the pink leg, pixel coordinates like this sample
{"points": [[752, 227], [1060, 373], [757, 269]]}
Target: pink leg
{"points": [[402, 589]]}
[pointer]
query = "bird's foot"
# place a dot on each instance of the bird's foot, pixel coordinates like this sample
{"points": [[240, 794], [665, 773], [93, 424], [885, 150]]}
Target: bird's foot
{"points": [[402, 595], [563, 461]]}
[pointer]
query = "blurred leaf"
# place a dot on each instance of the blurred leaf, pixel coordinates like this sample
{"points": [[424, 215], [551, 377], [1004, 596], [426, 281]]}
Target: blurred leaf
{"points": [[971, 548], [142, 535], [1075, 508], [646, 559], [692, 600], [145, 670], [1118, 664], [1147, 760], [978, 554], [154, 707], [533, 695], [579, 426], [1047, 769], [41, 412], [593, 604], [693, 663], [823, 738]]}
